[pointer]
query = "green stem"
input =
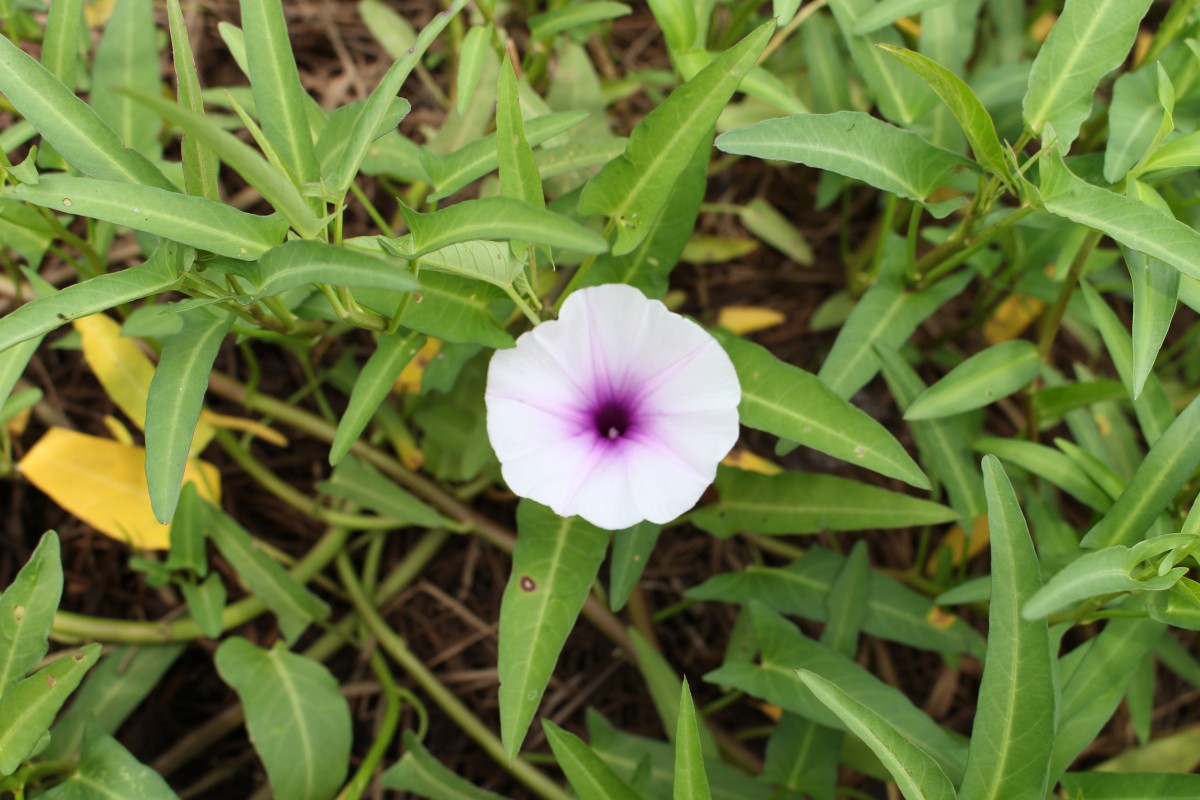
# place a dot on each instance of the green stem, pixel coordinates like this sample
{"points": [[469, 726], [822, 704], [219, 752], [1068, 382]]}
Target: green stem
{"points": [[952, 252], [383, 737], [398, 650], [1053, 318]]}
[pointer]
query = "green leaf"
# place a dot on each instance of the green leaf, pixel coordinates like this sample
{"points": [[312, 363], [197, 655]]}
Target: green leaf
{"points": [[1013, 731], [27, 612], [294, 605], [452, 309], [519, 178], [784, 10], [107, 771], [298, 720], [633, 189], [200, 164], [69, 124], [967, 109], [175, 401], [691, 783], [764, 221], [796, 405], [380, 101], [1152, 406], [985, 377], [944, 444], [475, 45], [194, 221], [392, 353], [1095, 676], [887, 314], [491, 262], [30, 705], [418, 771], [853, 144], [630, 553], [918, 775], [40, 316], [1090, 39], [1180, 153], [1178, 606], [206, 603], [452, 172], [554, 563], [648, 266], [1048, 463], [275, 186], [354, 480], [805, 502], [1155, 294], [60, 45], [1164, 471], [1053, 402], [1133, 118], [127, 58], [499, 219], [901, 95], [587, 773], [632, 757], [894, 612], [663, 684], [1095, 574], [1131, 785], [113, 689], [551, 23], [279, 98], [303, 263], [1135, 224]]}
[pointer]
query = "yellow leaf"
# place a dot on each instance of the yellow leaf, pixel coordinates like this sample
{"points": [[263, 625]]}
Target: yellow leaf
{"points": [[117, 430], [16, 425], [98, 12], [745, 460], [940, 618], [909, 26], [1041, 26], [264, 432], [103, 483], [409, 381], [120, 365], [1012, 317], [954, 540], [748, 319], [774, 713]]}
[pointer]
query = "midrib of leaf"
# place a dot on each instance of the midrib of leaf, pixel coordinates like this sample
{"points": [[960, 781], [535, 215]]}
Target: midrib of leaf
{"points": [[860, 159], [100, 788], [177, 398], [1065, 70], [250, 564], [289, 690], [18, 725]]}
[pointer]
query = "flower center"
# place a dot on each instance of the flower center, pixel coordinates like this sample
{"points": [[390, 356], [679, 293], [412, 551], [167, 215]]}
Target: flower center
{"points": [[613, 419]]}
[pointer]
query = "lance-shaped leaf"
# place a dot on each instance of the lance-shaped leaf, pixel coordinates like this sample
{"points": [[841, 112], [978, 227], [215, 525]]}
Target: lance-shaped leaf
{"points": [[1013, 732], [853, 144], [275, 186], [392, 353], [1134, 223], [380, 101], [1048, 463], [554, 563], [30, 705], [972, 117], [691, 782], [1089, 40], [1164, 471], [632, 190], [27, 611], [40, 316], [200, 164], [175, 400], [547, 25], [500, 219], [298, 720], [104, 762], [630, 554], [60, 44], [587, 773], [918, 776], [302, 263], [1133, 118], [981, 380], [491, 262], [1131, 785], [803, 502], [279, 98], [1155, 295], [418, 771], [194, 221], [127, 58], [519, 178], [796, 405], [69, 124]]}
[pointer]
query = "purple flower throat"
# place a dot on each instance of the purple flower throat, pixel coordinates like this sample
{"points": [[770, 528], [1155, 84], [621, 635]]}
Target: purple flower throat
{"points": [[613, 418]]}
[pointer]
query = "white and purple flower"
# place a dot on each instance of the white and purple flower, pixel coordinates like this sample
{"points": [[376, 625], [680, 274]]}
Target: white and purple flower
{"points": [[619, 411]]}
